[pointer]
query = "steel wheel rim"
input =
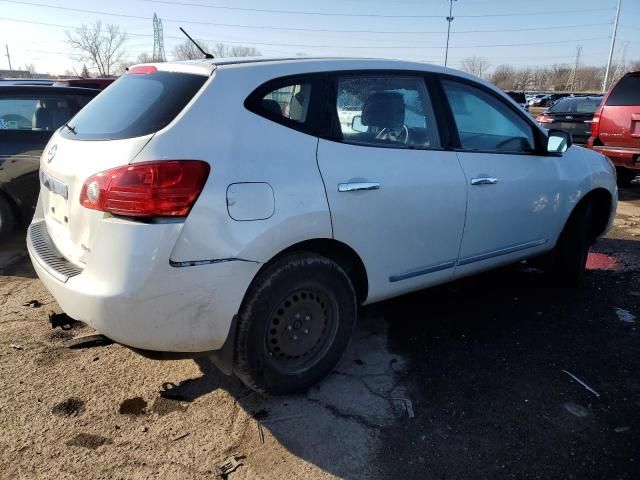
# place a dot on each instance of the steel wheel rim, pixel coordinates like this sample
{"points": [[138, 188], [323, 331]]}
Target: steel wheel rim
{"points": [[301, 329]]}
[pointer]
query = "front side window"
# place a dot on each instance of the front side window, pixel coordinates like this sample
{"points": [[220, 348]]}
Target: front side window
{"points": [[485, 123], [39, 112], [386, 111], [626, 92]]}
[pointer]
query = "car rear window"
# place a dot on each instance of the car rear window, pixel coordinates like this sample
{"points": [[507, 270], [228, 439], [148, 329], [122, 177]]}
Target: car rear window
{"points": [[576, 105], [626, 92], [135, 105]]}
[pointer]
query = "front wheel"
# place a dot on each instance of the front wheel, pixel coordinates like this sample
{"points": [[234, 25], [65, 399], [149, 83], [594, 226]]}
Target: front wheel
{"points": [[295, 324], [569, 258]]}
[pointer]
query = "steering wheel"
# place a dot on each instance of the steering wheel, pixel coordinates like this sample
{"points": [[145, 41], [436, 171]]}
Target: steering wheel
{"points": [[400, 135]]}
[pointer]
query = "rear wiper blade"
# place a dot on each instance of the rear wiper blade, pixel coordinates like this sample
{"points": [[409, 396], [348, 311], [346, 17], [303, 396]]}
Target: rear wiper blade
{"points": [[71, 129]]}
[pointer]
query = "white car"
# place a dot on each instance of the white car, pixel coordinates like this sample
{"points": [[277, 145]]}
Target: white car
{"points": [[221, 208]]}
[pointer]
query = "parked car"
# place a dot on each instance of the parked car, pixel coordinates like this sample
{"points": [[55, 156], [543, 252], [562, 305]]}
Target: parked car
{"points": [[96, 83], [535, 100], [519, 98], [615, 131], [213, 216], [573, 115], [24, 81], [28, 117], [551, 98]]}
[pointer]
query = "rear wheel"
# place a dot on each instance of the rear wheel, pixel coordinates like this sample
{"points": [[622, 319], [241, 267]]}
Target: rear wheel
{"points": [[569, 258], [294, 324], [625, 176], [7, 219]]}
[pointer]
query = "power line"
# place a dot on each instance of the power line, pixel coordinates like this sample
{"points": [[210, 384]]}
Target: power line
{"points": [[331, 14], [97, 12]]}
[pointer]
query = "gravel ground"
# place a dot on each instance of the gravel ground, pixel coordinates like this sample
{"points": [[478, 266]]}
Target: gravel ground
{"points": [[484, 364]]}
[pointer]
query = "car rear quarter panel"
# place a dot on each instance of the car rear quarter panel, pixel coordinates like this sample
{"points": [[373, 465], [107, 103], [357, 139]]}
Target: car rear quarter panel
{"points": [[241, 146]]}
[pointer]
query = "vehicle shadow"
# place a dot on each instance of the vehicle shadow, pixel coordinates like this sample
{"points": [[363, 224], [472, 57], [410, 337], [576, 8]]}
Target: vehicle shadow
{"points": [[449, 382], [14, 258]]}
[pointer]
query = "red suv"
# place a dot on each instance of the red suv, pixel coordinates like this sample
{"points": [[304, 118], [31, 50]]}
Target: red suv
{"points": [[615, 129]]}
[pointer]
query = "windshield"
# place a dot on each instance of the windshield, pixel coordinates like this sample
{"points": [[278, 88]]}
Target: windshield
{"points": [[576, 105], [135, 105]]}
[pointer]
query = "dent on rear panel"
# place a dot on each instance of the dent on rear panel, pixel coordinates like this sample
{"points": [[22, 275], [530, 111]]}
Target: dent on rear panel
{"points": [[250, 201]]}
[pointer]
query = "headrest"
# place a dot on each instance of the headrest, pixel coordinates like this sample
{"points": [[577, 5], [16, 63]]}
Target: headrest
{"points": [[271, 106], [383, 110]]}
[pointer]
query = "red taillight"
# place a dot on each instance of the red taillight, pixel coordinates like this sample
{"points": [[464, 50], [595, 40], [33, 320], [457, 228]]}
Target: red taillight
{"points": [[153, 189], [542, 118], [595, 123], [142, 70]]}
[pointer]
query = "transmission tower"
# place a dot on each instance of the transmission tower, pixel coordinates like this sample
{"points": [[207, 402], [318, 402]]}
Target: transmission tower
{"points": [[574, 71], [158, 40]]}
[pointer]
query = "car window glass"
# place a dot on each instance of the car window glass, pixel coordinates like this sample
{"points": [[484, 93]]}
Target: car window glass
{"points": [[385, 111], [290, 101], [576, 105], [626, 92], [39, 112], [485, 123]]}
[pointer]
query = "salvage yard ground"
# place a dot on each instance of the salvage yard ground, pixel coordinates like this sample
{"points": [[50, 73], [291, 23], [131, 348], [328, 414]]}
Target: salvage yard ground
{"points": [[500, 376]]}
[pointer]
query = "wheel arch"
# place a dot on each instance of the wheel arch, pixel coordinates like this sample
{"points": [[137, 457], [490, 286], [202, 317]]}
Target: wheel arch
{"points": [[337, 251], [600, 199]]}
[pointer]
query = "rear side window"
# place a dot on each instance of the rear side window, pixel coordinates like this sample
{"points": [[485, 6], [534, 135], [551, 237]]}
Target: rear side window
{"points": [[626, 92], [291, 101], [135, 105], [40, 112]]}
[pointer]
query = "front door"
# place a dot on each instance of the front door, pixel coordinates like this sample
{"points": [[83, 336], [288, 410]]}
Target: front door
{"points": [[395, 196]]}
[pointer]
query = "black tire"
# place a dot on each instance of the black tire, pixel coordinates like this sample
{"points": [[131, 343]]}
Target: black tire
{"points": [[625, 176], [302, 295], [569, 258], [7, 219]]}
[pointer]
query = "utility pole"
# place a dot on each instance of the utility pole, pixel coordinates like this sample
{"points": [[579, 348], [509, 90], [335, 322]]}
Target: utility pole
{"points": [[449, 20], [613, 43], [8, 56], [574, 72]]}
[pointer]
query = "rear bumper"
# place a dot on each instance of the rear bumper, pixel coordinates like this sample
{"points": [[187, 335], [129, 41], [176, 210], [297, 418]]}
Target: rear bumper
{"points": [[620, 156], [130, 293]]}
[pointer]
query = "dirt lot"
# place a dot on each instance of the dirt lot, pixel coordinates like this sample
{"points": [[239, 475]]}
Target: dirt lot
{"points": [[469, 380]]}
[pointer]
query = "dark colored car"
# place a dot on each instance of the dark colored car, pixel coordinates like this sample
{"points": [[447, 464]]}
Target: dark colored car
{"points": [[519, 98], [28, 117], [551, 98], [573, 115], [615, 131], [97, 83]]}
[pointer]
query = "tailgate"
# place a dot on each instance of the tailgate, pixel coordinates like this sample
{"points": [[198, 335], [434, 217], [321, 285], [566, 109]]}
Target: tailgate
{"points": [[620, 126]]}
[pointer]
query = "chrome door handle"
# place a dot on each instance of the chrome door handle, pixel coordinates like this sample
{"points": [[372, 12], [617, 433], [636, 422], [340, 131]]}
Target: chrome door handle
{"points": [[358, 186], [484, 181]]}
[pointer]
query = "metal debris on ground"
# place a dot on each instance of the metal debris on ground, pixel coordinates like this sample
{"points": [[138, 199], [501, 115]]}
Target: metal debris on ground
{"points": [[32, 304], [230, 464], [625, 315], [15, 346], [89, 341], [407, 404], [582, 383], [180, 437]]}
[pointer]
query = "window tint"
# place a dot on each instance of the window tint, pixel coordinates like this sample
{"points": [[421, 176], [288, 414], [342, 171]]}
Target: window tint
{"points": [[626, 92], [290, 101], [385, 111], [576, 105], [46, 112], [136, 105], [486, 123]]}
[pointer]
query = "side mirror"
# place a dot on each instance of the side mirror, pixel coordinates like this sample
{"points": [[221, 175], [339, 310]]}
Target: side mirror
{"points": [[558, 141], [357, 126]]}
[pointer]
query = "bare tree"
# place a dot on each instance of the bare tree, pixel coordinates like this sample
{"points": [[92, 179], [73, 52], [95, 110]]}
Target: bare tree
{"points": [[475, 65], [188, 51], [31, 68], [102, 47], [144, 57], [634, 66], [224, 51], [85, 72], [504, 76]]}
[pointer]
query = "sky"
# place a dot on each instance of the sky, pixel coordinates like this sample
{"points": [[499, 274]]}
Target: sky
{"points": [[517, 32]]}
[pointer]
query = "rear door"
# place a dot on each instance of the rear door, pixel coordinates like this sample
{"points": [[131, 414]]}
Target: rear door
{"points": [[396, 197], [620, 118], [514, 194]]}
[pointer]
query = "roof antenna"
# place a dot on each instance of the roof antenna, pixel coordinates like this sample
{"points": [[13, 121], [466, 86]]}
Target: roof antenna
{"points": [[206, 55]]}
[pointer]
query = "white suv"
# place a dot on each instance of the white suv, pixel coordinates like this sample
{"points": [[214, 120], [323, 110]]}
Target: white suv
{"points": [[227, 208]]}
